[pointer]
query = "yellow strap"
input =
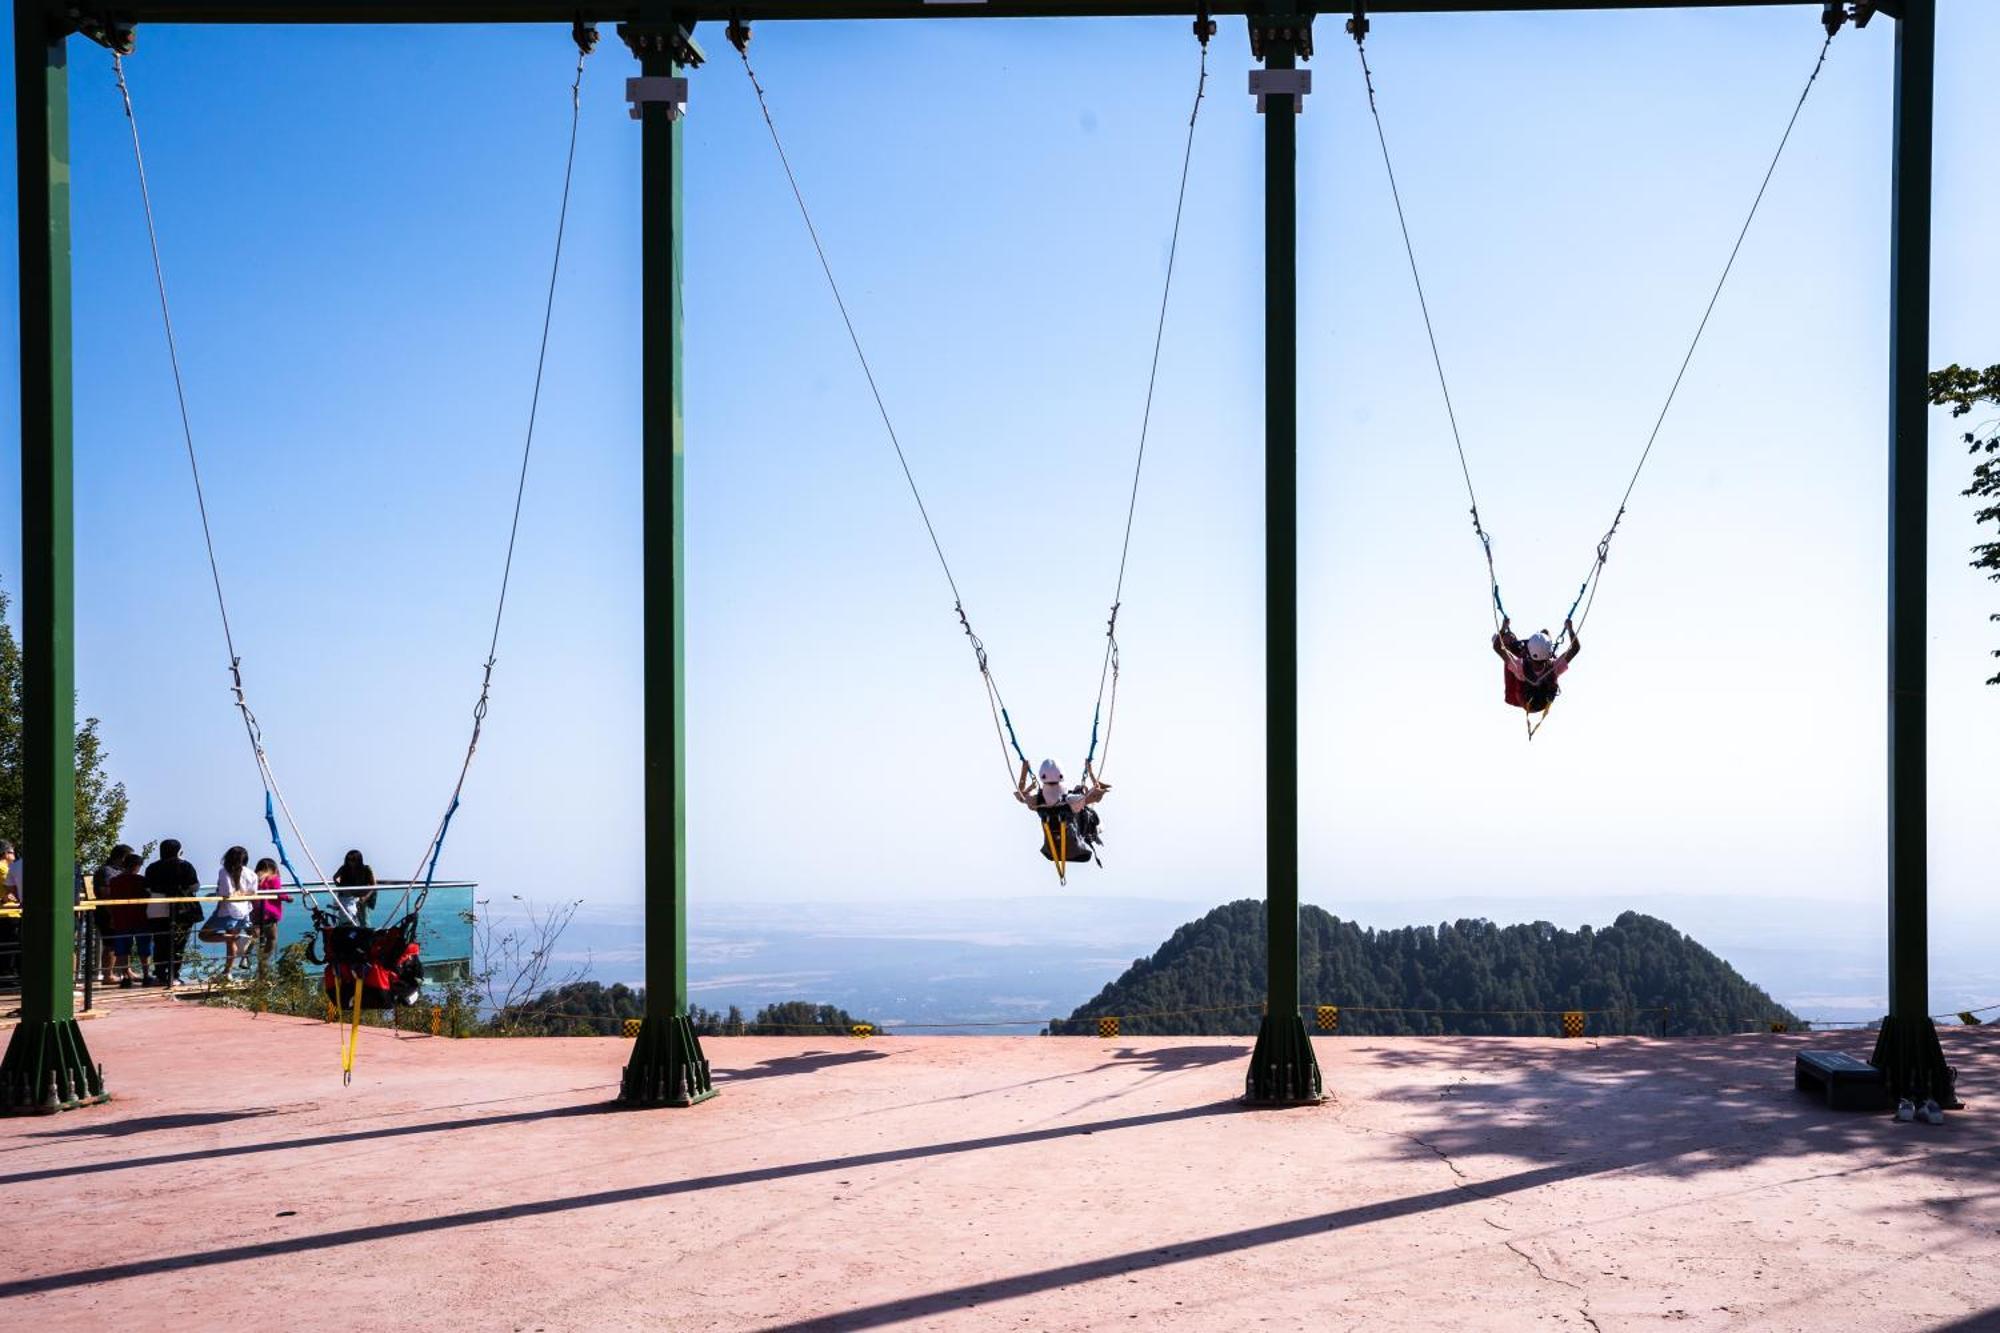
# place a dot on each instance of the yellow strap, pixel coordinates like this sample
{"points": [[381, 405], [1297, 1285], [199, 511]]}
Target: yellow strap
{"points": [[352, 1045], [1049, 837], [339, 1008]]}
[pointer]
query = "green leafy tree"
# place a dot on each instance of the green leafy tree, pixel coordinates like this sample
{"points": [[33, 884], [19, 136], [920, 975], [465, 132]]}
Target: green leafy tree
{"points": [[802, 1018], [590, 1008], [100, 802], [1963, 391]]}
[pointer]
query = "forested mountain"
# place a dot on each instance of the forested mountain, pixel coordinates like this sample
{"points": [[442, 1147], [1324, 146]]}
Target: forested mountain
{"points": [[1636, 966], [591, 1009]]}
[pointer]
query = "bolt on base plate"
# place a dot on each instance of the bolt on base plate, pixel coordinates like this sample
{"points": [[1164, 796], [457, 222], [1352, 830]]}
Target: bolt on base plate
{"points": [[48, 1069], [1283, 1069], [667, 1067]]}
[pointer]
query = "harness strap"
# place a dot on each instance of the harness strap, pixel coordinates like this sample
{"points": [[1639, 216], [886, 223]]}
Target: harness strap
{"points": [[350, 1041]]}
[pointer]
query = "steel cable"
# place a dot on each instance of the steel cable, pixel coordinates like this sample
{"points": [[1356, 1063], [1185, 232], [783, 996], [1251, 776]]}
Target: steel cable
{"points": [[1003, 725], [1595, 575], [1586, 593], [427, 864], [881, 407], [252, 727], [1110, 667], [1430, 332]]}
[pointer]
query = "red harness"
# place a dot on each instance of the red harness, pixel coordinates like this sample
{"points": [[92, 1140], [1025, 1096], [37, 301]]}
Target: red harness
{"points": [[384, 963]]}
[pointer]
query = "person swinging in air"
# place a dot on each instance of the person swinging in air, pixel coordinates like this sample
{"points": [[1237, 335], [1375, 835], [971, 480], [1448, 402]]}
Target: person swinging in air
{"points": [[1534, 666], [1069, 823]]}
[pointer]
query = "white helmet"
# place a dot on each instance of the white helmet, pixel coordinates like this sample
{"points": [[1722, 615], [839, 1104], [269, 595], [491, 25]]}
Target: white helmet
{"points": [[1050, 773], [1539, 646]]}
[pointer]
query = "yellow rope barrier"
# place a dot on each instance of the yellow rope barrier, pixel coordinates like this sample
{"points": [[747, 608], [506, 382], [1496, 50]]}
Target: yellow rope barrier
{"points": [[1327, 1018]]}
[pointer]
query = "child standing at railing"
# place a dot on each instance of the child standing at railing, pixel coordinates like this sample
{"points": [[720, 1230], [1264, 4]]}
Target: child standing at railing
{"points": [[127, 935], [267, 911], [112, 867]]}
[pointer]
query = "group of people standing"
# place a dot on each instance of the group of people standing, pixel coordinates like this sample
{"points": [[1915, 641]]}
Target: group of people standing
{"points": [[148, 913]]}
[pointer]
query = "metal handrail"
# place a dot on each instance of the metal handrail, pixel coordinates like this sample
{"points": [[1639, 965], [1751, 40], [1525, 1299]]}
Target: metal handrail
{"points": [[86, 903]]}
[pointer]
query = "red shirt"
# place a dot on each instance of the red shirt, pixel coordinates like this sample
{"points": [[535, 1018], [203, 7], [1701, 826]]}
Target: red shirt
{"points": [[126, 920]]}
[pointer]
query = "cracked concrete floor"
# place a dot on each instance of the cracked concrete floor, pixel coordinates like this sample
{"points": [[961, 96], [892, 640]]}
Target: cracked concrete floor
{"points": [[992, 1183]]}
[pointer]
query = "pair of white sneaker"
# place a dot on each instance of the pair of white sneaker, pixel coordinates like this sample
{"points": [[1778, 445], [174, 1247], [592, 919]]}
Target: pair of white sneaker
{"points": [[1930, 1112]]}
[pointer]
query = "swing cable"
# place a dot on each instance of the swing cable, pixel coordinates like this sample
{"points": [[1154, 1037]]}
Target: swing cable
{"points": [[252, 729], [1596, 573], [1359, 27], [1003, 724], [585, 36], [1204, 28], [1586, 596]]}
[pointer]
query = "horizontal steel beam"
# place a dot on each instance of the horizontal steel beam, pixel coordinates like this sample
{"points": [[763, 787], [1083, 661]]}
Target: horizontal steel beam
{"points": [[621, 11], [1333, 11]]}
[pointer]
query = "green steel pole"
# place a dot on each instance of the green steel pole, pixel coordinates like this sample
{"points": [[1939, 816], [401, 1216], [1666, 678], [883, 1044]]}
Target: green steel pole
{"points": [[667, 1067], [46, 1067], [1907, 1050], [1283, 1069]]}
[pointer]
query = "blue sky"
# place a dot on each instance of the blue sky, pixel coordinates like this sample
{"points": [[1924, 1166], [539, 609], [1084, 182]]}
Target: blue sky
{"points": [[356, 225]]}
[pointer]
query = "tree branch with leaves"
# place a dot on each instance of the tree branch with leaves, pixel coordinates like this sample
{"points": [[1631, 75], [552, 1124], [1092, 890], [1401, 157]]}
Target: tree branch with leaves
{"points": [[1964, 391], [100, 802]]}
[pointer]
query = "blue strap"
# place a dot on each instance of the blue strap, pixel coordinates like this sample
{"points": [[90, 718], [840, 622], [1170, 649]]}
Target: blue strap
{"points": [[1579, 598], [1492, 575], [271, 819], [1093, 737], [1011, 738], [437, 848]]}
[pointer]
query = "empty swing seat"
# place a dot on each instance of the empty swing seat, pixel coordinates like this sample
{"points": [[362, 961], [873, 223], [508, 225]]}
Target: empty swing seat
{"points": [[1846, 1083], [384, 963]]}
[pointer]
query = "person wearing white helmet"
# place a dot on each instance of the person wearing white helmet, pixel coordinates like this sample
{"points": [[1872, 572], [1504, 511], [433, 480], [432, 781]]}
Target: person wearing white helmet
{"points": [[1069, 823], [1534, 666]]}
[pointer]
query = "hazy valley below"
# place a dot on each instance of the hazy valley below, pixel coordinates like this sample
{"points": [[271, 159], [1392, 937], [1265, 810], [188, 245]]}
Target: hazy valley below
{"points": [[961, 964]]}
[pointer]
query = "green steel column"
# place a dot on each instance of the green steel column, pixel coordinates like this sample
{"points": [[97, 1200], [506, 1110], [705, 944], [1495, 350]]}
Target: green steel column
{"points": [[1907, 1050], [1283, 1069], [47, 1067], [667, 1067]]}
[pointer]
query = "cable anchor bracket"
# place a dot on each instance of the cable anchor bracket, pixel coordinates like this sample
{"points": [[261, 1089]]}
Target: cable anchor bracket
{"points": [[1291, 83], [674, 40], [114, 35], [1204, 26], [1357, 27], [1296, 29], [653, 89]]}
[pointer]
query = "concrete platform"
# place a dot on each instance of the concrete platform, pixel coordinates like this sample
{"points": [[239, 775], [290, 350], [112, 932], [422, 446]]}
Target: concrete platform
{"points": [[1020, 1183]]}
